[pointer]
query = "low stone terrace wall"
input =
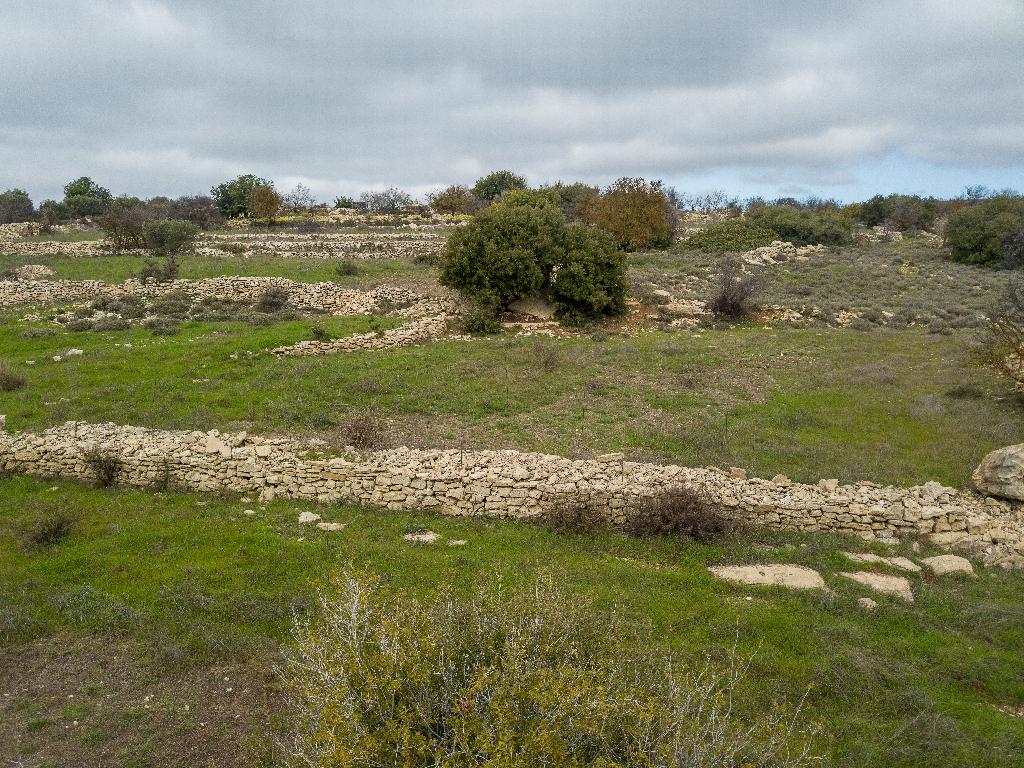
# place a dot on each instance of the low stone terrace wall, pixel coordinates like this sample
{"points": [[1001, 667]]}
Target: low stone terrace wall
{"points": [[512, 484]]}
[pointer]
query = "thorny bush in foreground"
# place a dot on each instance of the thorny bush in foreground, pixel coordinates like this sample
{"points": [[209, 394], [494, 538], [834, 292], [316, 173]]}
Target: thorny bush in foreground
{"points": [[512, 679]]}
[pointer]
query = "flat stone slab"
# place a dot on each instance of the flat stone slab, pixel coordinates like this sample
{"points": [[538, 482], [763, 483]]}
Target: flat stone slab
{"points": [[772, 575], [942, 565], [880, 582], [330, 526], [903, 563], [422, 537], [308, 517]]}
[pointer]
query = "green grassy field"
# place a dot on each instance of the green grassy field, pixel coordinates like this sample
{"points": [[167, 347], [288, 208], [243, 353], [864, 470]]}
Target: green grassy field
{"points": [[186, 600], [898, 407]]}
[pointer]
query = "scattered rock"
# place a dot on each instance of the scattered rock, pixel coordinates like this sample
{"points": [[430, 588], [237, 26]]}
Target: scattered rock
{"points": [[903, 563], [880, 582], [533, 307], [867, 604], [780, 575], [422, 537], [330, 526], [942, 565], [737, 473], [308, 517], [248, 511], [457, 543], [1001, 473]]}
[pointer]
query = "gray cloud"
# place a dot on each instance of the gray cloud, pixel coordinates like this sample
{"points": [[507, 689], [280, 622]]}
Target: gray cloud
{"points": [[169, 97]]}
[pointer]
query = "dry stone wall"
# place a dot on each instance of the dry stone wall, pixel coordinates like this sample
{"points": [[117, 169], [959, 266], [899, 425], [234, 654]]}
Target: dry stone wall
{"points": [[329, 297], [513, 484]]}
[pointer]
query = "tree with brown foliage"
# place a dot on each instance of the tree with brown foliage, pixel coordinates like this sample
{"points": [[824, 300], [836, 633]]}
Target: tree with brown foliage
{"points": [[264, 203], [636, 213]]}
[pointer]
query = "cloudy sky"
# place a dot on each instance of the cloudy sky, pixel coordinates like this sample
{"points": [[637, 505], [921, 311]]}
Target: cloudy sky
{"points": [[829, 97]]}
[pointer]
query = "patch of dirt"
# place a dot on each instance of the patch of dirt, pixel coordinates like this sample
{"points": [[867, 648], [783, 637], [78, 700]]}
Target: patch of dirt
{"points": [[95, 702]]}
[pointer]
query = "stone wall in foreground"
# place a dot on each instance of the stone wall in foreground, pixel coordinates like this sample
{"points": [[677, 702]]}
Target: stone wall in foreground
{"points": [[512, 484]]}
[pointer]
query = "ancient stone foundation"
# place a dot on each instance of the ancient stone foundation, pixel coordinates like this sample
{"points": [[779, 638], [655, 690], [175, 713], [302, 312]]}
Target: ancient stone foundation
{"points": [[511, 484]]}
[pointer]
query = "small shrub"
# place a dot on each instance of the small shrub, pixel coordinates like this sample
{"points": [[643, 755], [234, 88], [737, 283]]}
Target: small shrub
{"points": [[1004, 350], [681, 512], [1013, 250], [79, 324], [37, 333], [510, 677], [11, 380], [636, 212], [364, 431], [733, 297], [110, 324], [346, 268], [732, 235], [319, 333], [574, 516], [274, 299], [163, 326], [124, 222], [802, 226], [481, 320], [160, 271], [46, 530], [105, 466], [376, 326], [170, 236]]}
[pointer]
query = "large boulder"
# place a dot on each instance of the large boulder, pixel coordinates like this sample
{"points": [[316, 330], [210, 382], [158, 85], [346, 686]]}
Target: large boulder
{"points": [[1001, 473]]}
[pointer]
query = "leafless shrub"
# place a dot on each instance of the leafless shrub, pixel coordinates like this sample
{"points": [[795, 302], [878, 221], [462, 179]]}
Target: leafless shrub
{"points": [[680, 512], [733, 297], [364, 431], [574, 516], [274, 299], [11, 380], [1005, 348], [46, 530], [105, 466]]}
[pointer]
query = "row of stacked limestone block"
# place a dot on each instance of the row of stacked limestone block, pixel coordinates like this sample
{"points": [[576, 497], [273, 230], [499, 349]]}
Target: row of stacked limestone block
{"points": [[512, 484], [326, 296]]}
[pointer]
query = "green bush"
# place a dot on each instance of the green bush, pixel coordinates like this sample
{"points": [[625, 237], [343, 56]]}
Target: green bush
{"points": [[977, 234], [170, 236], [497, 184], [124, 222], [802, 226], [637, 213], [232, 197], [906, 213], [591, 281], [507, 251], [162, 272], [83, 197], [15, 206], [733, 235], [509, 678], [53, 212], [522, 247]]}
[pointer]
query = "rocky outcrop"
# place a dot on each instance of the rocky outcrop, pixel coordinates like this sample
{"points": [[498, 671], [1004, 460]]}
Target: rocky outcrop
{"points": [[514, 484], [1001, 473]]}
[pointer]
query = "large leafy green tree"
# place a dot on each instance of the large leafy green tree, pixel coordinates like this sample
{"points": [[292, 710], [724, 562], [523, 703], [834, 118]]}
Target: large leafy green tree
{"points": [[84, 197], [16, 205], [496, 184], [232, 197]]}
